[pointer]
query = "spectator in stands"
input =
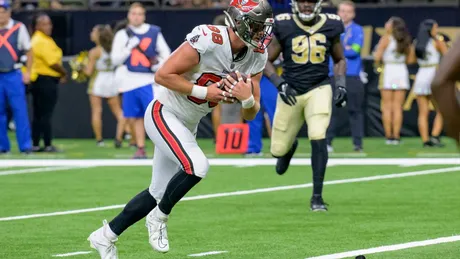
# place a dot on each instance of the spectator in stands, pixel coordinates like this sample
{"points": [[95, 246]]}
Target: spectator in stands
{"points": [[428, 50], [142, 48], [47, 73], [202, 3], [29, 5], [220, 3], [393, 51], [352, 41], [14, 40], [101, 84]]}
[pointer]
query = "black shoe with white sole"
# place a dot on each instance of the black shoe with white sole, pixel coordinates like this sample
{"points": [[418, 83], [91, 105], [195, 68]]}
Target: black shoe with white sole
{"points": [[317, 203]]}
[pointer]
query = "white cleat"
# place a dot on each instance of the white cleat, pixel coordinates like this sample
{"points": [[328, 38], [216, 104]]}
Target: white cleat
{"points": [[105, 246], [158, 233]]}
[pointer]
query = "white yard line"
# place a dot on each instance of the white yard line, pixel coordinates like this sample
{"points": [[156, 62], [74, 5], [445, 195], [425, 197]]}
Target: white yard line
{"points": [[382, 249], [72, 254], [43, 169], [208, 253], [436, 155], [232, 161], [246, 192]]}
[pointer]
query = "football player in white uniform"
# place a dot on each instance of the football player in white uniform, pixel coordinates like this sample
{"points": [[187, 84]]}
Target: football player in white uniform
{"points": [[193, 85]]}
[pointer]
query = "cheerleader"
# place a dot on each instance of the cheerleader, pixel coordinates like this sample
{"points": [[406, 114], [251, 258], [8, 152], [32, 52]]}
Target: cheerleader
{"points": [[393, 52], [101, 84], [428, 50]]}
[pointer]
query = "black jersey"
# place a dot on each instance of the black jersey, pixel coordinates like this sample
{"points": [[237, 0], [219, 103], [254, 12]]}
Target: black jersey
{"points": [[306, 50]]}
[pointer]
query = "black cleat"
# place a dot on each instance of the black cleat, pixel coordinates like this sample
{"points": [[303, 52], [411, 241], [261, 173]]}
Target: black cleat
{"points": [[26, 152], [436, 142], [52, 149], [317, 204], [37, 149], [283, 162], [118, 144], [4, 152], [428, 144]]}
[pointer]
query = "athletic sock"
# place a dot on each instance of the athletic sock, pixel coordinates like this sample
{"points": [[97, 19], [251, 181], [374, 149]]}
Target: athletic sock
{"points": [[136, 209], [177, 187], [319, 159]]}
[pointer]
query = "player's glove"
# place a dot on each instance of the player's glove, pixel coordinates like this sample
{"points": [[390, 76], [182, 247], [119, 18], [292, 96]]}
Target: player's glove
{"points": [[287, 94], [340, 97]]}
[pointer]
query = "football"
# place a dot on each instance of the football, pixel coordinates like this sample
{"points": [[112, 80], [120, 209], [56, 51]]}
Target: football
{"points": [[234, 76]]}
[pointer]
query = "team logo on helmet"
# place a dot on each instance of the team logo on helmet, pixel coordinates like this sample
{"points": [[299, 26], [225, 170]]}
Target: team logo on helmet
{"points": [[244, 5]]}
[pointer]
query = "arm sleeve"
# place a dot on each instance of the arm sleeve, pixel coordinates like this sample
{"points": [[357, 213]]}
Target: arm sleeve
{"points": [[119, 51], [163, 49], [353, 48], [23, 38]]}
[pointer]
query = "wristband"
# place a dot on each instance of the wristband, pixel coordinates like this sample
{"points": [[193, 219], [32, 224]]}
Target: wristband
{"points": [[248, 103], [340, 80], [276, 80], [199, 92]]}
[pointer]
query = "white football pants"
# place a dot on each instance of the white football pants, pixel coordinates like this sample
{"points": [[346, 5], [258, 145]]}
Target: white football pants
{"points": [[175, 148]]}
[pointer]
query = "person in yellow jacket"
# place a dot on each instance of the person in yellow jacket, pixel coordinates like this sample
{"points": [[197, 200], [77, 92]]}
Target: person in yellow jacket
{"points": [[47, 72]]}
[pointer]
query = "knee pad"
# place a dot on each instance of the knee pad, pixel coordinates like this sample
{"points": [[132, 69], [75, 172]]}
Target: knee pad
{"points": [[279, 149], [317, 126], [200, 166]]}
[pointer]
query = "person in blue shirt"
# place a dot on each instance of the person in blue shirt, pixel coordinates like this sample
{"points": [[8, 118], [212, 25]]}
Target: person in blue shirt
{"points": [[14, 41], [352, 40]]}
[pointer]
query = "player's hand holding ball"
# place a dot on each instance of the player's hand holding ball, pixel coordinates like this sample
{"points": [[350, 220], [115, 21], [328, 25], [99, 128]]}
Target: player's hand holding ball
{"points": [[240, 87], [214, 93]]}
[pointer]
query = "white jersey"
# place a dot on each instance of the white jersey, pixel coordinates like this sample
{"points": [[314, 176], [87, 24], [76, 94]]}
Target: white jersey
{"points": [[432, 56], [104, 62], [102, 83], [216, 61], [427, 69], [395, 75], [391, 55]]}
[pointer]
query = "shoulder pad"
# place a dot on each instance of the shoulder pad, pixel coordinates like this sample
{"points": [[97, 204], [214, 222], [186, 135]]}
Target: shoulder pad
{"points": [[283, 17], [335, 22], [333, 17], [204, 37], [261, 61]]}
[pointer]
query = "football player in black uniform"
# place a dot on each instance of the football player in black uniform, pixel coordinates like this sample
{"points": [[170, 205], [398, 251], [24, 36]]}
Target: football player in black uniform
{"points": [[307, 39]]}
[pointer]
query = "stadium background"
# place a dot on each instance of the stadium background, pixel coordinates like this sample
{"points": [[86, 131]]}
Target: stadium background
{"points": [[72, 28]]}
